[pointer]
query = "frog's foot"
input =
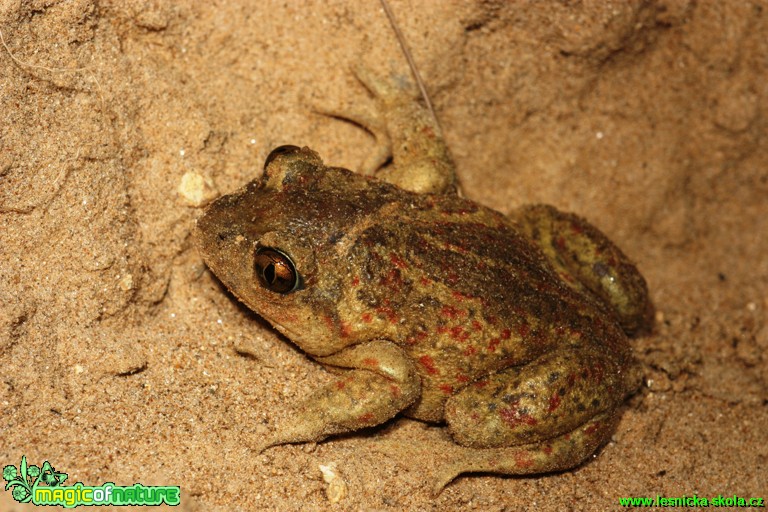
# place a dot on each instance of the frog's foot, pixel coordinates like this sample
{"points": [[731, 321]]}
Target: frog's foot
{"points": [[405, 132], [381, 382], [589, 262], [369, 120], [559, 453]]}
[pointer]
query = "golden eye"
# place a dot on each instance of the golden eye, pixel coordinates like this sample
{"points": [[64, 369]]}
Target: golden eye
{"points": [[275, 270], [280, 150]]}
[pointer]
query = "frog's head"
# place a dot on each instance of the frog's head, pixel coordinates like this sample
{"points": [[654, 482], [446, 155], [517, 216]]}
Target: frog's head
{"points": [[278, 244]]}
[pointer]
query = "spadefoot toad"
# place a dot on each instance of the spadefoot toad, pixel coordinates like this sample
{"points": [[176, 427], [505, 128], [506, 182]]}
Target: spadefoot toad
{"points": [[510, 330]]}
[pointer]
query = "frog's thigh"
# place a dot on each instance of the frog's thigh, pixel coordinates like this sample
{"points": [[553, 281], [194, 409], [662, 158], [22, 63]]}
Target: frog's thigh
{"points": [[587, 260], [537, 401], [381, 381], [559, 453]]}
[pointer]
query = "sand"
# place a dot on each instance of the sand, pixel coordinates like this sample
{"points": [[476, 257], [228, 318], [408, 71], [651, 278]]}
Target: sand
{"points": [[121, 357]]}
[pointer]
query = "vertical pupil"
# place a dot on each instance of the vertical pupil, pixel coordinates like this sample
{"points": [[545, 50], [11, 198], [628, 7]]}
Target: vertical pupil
{"points": [[275, 271], [269, 273]]}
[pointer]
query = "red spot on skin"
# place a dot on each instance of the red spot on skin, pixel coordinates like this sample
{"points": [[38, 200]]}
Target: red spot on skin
{"points": [[429, 364], [567, 436], [419, 336], [506, 334], [477, 325], [470, 351], [459, 296], [523, 329], [547, 449], [554, 402], [462, 378], [459, 334], [424, 281], [523, 459], [446, 388], [355, 281], [392, 279], [480, 383], [366, 317], [491, 319], [366, 418], [397, 261], [345, 330], [493, 344], [340, 384], [387, 311], [395, 390], [513, 418], [591, 429], [453, 312], [369, 361]]}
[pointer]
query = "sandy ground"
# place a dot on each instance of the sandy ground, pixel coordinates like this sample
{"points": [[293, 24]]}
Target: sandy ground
{"points": [[122, 359]]}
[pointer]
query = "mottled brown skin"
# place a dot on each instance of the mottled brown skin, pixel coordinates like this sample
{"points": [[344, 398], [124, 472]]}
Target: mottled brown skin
{"points": [[509, 330]]}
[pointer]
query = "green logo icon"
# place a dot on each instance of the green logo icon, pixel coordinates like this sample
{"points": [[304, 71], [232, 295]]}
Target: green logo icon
{"points": [[23, 481]]}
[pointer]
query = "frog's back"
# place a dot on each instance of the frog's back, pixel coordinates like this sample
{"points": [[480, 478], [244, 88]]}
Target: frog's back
{"points": [[466, 294]]}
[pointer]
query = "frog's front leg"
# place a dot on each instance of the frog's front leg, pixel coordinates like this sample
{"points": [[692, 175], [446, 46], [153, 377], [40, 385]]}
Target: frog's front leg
{"points": [[381, 381], [589, 262]]}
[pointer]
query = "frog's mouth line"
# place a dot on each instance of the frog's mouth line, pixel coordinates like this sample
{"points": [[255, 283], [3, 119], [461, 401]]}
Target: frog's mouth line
{"points": [[294, 336], [288, 333]]}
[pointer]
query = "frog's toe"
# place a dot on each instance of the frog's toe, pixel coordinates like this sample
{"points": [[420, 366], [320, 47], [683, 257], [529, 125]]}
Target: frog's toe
{"points": [[381, 88], [369, 120], [284, 434], [444, 477], [264, 444], [365, 117]]}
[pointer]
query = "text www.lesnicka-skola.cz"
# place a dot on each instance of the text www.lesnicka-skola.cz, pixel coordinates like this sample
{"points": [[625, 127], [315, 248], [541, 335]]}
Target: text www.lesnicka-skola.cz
{"points": [[693, 501]]}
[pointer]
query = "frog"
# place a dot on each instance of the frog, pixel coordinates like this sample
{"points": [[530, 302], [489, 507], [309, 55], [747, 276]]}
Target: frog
{"points": [[511, 330]]}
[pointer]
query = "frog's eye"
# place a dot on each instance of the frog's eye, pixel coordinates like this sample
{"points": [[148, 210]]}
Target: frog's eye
{"points": [[275, 270], [279, 150]]}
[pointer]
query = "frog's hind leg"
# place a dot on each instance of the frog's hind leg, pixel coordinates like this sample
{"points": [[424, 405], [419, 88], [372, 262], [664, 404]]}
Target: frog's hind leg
{"points": [[546, 415], [589, 262], [405, 132], [559, 453]]}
